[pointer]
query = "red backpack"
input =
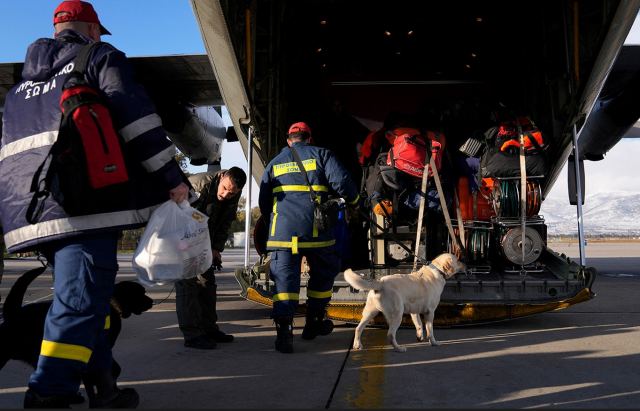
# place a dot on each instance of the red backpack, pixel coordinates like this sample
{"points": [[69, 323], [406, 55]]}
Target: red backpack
{"points": [[87, 164], [410, 149]]}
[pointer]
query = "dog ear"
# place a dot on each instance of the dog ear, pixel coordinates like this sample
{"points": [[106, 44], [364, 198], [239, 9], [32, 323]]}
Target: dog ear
{"points": [[447, 264], [125, 309], [144, 303], [131, 298]]}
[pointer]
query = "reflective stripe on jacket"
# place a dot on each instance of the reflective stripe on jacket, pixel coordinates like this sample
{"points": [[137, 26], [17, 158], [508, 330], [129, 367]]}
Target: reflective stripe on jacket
{"points": [[285, 196], [30, 126]]}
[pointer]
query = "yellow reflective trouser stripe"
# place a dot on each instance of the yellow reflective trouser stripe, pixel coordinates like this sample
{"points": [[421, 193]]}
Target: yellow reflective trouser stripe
{"points": [[286, 296], [294, 187], [65, 351], [306, 244], [355, 200], [319, 294], [107, 322], [275, 217]]}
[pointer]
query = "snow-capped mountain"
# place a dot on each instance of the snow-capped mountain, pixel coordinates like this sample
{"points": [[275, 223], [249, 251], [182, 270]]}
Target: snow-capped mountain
{"points": [[612, 213]]}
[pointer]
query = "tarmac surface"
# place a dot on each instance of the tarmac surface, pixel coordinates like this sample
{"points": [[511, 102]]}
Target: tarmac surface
{"points": [[586, 356]]}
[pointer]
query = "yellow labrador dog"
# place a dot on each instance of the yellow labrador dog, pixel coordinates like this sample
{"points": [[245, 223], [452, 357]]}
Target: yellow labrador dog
{"points": [[415, 293]]}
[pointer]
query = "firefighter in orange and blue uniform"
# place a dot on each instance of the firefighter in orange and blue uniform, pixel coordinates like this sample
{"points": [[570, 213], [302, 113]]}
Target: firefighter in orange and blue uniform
{"points": [[286, 197]]}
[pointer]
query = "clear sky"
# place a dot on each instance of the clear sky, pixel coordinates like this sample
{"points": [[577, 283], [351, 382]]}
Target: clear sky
{"points": [[159, 27], [138, 27]]}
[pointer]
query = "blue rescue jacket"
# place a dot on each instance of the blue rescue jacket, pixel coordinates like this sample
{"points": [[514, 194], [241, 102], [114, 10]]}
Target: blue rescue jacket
{"points": [[30, 126], [285, 196]]}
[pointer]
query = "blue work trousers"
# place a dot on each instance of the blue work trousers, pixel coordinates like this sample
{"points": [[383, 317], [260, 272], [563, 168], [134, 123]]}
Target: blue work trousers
{"points": [[76, 327], [324, 265]]}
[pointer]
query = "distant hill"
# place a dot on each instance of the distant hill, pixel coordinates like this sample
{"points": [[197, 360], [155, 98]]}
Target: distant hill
{"points": [[613, 213]]}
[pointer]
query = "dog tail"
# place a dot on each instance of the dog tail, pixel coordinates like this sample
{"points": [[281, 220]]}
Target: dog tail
{"points": [[13, 302], [360, 283]]}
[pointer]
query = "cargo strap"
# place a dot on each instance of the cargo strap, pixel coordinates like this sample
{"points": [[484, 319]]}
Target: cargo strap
{"points": [[445, 209], [423, 191], [459, 214], [523, 192]]}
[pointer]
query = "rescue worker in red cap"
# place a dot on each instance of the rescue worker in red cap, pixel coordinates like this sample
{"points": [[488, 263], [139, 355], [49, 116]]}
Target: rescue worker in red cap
{"points": [[286, 197], [80, 248]]}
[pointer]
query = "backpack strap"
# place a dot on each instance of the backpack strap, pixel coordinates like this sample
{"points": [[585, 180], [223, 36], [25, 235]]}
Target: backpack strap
{"points": [[314, 197], [82, 60], [40, 190]]}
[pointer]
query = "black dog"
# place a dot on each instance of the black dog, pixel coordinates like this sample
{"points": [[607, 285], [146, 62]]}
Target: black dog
{"points": [[22, 331]]}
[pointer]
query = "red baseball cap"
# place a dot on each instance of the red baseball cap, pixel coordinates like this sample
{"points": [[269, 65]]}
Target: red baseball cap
{"points": [[76, 10], [299, 127]]}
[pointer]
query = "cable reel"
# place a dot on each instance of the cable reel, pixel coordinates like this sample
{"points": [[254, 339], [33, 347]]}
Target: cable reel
{"points": [[506, 198], [477, 243], [511, 244]]}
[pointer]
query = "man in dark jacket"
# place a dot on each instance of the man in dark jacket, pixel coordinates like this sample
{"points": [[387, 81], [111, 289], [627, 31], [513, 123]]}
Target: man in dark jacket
{"points": [[196, 297], [81, 248], [285, 196]]}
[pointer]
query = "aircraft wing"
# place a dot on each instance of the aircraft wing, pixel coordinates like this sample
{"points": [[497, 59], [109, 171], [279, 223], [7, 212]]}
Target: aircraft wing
{"points": [[634, 131], [616, 111], [10, 74], [183, 88], [188, 79]]}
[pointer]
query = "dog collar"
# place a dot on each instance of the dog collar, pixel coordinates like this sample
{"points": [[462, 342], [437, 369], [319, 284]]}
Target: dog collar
{"points": [[115, 306], [438, 270]]}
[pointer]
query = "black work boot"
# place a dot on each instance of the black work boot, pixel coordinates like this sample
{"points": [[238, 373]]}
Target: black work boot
{"points": [[316, 324], [201, 342], [121, 398], [220, 336], [34, 400], [284, 340], [103, 392]]}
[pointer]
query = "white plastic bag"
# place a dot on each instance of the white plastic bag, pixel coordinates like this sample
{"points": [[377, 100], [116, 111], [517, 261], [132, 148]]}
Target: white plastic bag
{"points": [[175, 245]]}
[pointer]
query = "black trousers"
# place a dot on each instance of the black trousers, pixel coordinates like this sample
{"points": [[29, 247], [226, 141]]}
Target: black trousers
{"points": [[196, 305]]}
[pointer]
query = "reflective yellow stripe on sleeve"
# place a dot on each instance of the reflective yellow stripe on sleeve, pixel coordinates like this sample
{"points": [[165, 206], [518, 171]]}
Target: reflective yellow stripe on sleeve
{"points": [[65, 351], [275, 217], [107, 322], [286, 297], [298, 187], [304, 244], [355, 201], [319, 294]]}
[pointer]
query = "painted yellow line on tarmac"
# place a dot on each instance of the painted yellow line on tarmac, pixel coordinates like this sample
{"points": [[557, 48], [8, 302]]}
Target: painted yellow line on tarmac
{"points": [[369, 392]]}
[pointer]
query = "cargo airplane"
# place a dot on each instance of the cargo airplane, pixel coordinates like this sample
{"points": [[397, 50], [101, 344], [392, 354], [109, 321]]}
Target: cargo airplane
{"points": [[343, 66]]}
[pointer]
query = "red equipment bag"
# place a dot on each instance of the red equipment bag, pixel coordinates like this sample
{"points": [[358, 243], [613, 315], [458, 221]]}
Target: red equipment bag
{"points": [[91, 122], [410, 149]]}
